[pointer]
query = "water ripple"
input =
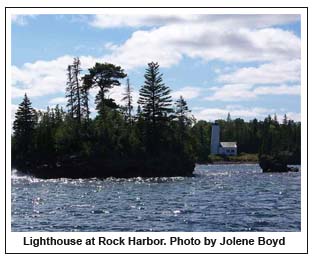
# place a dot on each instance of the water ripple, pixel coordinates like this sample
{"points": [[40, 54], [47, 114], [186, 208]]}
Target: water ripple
{"points": [[218, 198]]}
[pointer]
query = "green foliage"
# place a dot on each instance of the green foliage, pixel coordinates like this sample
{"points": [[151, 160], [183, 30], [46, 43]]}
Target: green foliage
{"points": [[155, 102], [201, 132], [105, 77], [154, 96], [245, 158], [215, 158], [158, 140], [253, 137], [24, 129]]}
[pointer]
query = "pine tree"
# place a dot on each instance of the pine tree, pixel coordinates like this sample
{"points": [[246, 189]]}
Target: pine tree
{"points": [[23, 127], [156, 109], [58, 115], [228, 118], [87, 84], [77, 92], [76, 69], [182, 111], [275, 121], [182, 133], [128, 99], [154, 96], [70, 91], [285, 120], [105, 76]]}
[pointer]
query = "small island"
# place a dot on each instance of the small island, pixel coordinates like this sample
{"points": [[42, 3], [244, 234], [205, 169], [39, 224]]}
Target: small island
{"points": [[154, 142], [162, 138]]}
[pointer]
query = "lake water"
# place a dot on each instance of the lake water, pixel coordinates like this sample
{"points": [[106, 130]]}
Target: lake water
{"points": [[218, 198]]}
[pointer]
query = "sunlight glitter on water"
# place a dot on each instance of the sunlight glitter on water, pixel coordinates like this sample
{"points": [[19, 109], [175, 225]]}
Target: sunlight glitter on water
{"points": [[217, 198]]}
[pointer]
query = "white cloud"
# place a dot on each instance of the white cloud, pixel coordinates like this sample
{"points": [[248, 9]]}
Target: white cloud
{"points": [[21, 20], [58, 100], [131, 20], [270, 73], [14, 108], [231, 92], [143, 47], [243, 92], [211, 114], [117, 93], [278, 90], [139, 20], [187, 93], [291, 115], [168, 44], [110, 46], [208, 37], [44, 77], [235, 38], [247, 113]]}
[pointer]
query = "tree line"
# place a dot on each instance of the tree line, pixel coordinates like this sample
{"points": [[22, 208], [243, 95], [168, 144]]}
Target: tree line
{"points": [[160, 137], [155, 140], [262, 137]]}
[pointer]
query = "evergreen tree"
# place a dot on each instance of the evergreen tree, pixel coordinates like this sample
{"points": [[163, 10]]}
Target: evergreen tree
{"points": [[23, 127], [154, 96], [128, 99], [182, 112], [70, 91], [285, 120], [201, 132], [157, 142], [77, 92], [182, 134], [275, 121], [228, 118], [105, 76], [155, 102], [87, 84], [76, 69]]}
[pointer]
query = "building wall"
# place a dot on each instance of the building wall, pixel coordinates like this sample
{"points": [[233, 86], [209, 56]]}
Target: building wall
{"points": [[215, 139], [228, 150]]}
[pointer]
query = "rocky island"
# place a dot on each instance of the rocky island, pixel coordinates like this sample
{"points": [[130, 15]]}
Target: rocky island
{"points": [[162, 138], [153, 142]]}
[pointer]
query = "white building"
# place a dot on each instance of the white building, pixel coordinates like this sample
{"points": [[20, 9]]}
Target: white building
{"points": [[217, 147], [228, 148]]}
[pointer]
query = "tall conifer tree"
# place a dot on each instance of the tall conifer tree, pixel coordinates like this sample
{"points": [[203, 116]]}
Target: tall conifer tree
{"points": [[182, 111], [155, 96], [76, 69], [128, 99], [23, 127], [70, 91], [155, 102], [77, 92]]}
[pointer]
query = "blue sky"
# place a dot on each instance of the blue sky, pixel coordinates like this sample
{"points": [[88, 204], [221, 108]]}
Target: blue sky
{"points": [[248, 65]]}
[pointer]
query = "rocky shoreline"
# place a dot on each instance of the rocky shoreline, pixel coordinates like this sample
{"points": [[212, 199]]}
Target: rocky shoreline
{"points": [[104, 169]]}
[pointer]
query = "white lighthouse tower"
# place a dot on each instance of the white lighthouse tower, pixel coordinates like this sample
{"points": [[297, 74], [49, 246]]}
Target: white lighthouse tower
{"points": [[215, 139]]}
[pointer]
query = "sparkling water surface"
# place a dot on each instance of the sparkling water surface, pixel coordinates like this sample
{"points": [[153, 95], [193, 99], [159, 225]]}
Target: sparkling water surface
{"points": [[218, 198]]}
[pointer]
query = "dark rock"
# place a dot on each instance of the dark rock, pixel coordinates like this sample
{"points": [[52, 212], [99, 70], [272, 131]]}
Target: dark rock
{"points": [[293, 169], [75, 168], [276, 163]]}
